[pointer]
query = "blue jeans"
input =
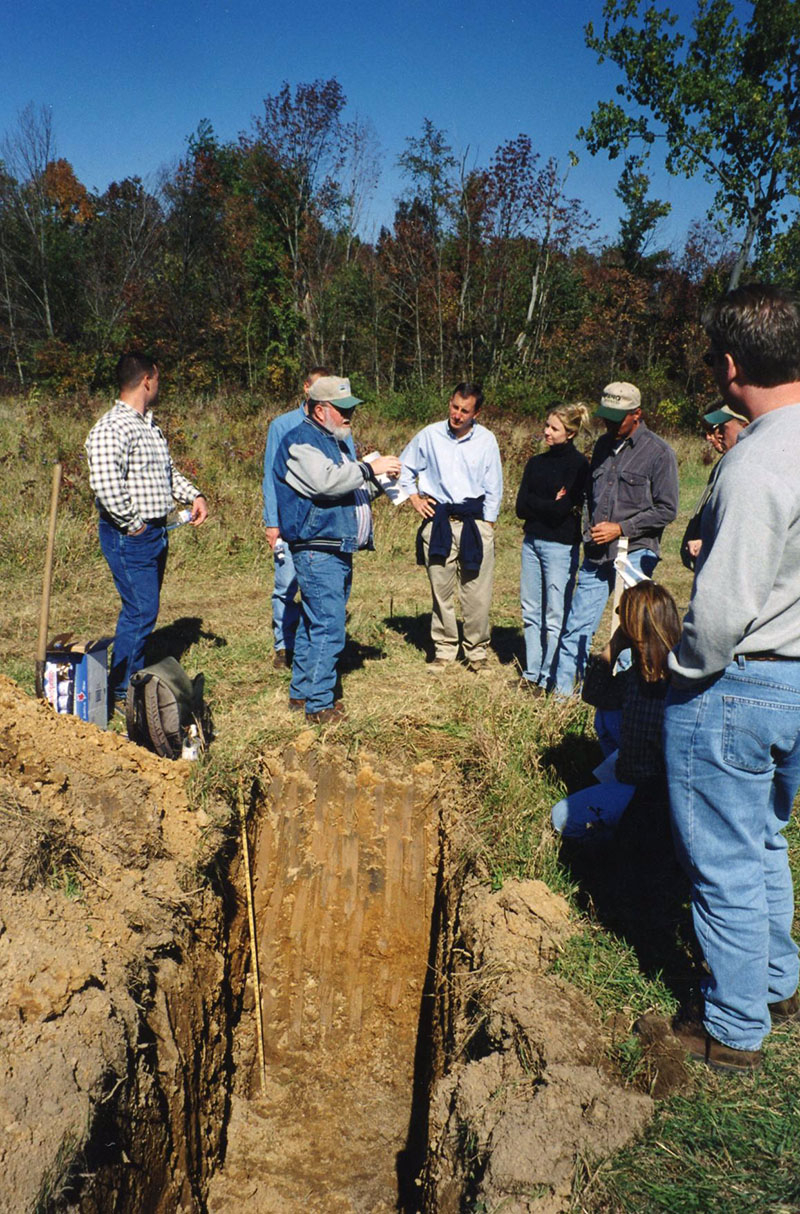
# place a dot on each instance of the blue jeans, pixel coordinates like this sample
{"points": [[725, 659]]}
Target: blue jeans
{"points": [[592, 813], [285, 607], [732, 750], [546, 580], [137, 564], [608, 727], [595, 584], [324, 579]]}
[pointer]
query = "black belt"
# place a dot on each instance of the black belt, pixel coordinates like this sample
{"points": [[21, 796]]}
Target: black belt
{"points": [[764, 657], [151, 522], [318, 546]]}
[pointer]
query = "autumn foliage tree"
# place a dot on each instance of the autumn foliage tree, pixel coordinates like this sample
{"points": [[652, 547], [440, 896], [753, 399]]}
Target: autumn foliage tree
{"points": [[247, 261]]}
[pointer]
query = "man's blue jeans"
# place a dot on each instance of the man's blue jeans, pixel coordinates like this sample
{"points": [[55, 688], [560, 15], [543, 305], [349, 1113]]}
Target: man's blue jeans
{"points": [[546, 580], [595, 584], [285, 607], [325, 579], [137, 564], [732, 751]]}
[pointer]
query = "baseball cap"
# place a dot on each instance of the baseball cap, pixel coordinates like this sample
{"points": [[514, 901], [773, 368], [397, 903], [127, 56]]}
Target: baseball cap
{"points": [[718, 417], [337, 391], [618, 400]]}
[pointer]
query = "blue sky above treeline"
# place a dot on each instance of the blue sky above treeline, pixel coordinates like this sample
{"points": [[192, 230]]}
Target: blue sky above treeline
{"points": [[128, 82]]}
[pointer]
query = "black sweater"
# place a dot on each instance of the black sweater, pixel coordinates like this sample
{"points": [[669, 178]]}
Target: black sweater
{"points": [[545, 518]]}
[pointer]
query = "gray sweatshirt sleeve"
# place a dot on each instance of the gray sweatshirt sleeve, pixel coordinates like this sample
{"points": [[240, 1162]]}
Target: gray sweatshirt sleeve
{"points": [[744, 534], [312, 474]]}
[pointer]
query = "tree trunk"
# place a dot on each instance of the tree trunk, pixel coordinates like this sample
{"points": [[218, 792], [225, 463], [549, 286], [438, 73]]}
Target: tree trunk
{"points": [[744, 253]]}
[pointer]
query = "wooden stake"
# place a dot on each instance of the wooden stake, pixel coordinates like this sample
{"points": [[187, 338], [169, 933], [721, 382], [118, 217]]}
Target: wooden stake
{"points": [[251, 919], [47, 582]]}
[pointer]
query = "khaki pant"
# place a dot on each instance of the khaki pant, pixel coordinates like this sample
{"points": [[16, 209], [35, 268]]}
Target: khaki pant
{"points": [[474, 592]]}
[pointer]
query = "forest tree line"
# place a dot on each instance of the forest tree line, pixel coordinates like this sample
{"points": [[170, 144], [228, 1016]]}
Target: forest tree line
{"points": [[247, 262]]}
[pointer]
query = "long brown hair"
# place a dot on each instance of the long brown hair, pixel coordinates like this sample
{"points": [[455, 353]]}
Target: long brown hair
{"points": [[649, 618]]}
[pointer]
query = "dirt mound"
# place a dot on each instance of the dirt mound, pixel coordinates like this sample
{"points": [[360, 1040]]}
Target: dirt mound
{"points": [[528, 1093], [96, 846]]}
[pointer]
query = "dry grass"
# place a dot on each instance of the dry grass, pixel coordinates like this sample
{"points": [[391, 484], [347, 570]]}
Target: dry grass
{"points": [[515, 755], [215, 616]]}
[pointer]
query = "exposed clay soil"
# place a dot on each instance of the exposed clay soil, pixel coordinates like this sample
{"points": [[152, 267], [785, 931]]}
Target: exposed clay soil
{"points": [[109, 970], [527, 1091], [344, 868], [385, 982]]}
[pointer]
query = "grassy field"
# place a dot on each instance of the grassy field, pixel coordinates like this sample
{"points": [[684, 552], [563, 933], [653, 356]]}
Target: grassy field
{"points": [[723, 1145]]}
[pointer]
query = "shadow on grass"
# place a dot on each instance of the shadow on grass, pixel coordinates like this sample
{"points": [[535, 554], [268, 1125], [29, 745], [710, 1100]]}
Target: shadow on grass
{"points": [[355, 654], [173, 640], [634, 886], [416, 629], [573, 759], [507, 642]]}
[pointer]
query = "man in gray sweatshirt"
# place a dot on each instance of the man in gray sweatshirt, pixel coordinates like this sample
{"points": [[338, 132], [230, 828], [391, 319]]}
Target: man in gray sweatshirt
{"points": [[732, 722]]}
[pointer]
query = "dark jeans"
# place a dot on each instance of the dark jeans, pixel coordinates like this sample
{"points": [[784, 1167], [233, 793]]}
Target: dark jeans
{"points": [[325, 579], [137, 564]]}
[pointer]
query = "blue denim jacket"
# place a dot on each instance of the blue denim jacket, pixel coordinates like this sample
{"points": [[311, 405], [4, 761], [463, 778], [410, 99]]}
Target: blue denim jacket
{"points": [[316, 484]]}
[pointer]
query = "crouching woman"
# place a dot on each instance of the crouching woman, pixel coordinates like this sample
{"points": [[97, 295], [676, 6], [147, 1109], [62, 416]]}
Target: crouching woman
{"points": [[649, 626]]}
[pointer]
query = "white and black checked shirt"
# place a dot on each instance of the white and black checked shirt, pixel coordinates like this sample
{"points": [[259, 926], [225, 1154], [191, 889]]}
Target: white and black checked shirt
{"points": [[131, 472]]}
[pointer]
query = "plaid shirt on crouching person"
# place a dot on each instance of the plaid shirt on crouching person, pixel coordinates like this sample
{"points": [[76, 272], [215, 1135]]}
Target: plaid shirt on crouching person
{"points": [[130, 469], [641, 747]]}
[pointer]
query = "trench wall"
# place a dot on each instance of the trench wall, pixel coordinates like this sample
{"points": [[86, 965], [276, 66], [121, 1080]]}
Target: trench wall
{"points": [[345, 858]]}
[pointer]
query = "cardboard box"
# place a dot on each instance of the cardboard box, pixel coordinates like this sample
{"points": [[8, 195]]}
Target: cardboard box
{"points": [[76, 677]]}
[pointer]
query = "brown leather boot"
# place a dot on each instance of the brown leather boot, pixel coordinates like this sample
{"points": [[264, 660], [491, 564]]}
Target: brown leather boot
{"points": [[328, 716], [785, 1009], [699, 1044]]}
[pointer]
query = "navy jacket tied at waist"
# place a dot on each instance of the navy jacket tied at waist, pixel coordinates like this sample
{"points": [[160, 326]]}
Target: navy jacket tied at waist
{"points": [[470, 549]]}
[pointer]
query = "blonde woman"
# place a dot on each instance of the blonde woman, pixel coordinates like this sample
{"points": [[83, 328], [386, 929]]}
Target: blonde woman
{"points": [[549, 502]]}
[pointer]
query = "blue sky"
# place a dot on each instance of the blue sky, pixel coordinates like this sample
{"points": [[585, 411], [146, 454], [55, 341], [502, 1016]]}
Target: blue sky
{"points": [[128, 82]]}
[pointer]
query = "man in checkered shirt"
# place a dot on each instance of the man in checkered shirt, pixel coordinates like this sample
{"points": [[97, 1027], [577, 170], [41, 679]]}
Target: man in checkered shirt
{"points": [[135, 484]]}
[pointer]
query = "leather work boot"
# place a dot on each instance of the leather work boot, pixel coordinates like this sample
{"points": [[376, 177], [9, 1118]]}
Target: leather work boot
{"points": [[296, 705], [785, 1009], [532, 689], [282, 660], [328, 716], [700, 1045]]}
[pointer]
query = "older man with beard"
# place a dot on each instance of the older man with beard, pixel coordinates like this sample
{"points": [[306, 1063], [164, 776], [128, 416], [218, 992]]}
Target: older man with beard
{"points": [[324, 515]]}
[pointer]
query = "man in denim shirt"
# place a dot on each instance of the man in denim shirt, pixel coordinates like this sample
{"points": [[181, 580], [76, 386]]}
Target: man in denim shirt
{"points": [[632, 492]]}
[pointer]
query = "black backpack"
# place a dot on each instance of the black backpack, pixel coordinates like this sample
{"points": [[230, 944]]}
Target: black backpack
{"points": [[162, 703]]}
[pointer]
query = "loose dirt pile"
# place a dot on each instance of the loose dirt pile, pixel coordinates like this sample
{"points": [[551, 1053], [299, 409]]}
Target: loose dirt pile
{"points": [[110, 974], [528, 1092], [383, 980]]}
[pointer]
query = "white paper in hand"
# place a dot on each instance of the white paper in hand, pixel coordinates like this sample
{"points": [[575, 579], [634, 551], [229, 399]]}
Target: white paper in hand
{"points": [[389, 486]]}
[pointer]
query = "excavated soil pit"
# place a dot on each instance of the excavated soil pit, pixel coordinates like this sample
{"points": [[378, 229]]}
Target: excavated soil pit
{"points": [[345, 865], [419, 1055]]}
